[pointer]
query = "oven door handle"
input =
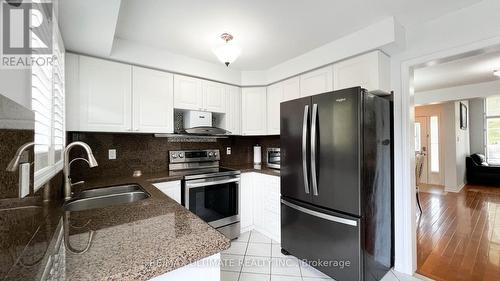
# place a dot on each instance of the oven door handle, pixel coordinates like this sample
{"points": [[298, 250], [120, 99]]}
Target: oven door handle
{"points": [[209, 183]]}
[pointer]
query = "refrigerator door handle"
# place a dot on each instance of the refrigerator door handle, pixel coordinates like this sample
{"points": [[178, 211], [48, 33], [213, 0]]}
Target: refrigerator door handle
{"points": [[304, 149], [314, 176], [320, 215]]}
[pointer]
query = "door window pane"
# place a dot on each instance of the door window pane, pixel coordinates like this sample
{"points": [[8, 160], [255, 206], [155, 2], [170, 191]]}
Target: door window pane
{"points": [[434, 138], [418, 134]]}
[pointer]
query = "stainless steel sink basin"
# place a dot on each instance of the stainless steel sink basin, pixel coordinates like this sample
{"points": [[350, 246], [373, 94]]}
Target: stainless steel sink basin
{"points": [[106, 196]]}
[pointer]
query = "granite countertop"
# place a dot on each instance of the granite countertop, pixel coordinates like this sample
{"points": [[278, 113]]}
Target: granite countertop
{"points": [[135, 241]]}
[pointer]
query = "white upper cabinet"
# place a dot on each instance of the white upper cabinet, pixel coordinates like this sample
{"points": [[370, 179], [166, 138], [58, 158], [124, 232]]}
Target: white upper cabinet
{"points": [[291, 89], [153, 101], [213, 96], [197, 94], [233, 110], [274, 98], [105, 96], [188, 93], [254, 111], [316, 82], [371, 71]]}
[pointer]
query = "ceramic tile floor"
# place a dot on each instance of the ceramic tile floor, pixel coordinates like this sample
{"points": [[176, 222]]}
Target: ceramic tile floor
{"points": [[255, 257]]}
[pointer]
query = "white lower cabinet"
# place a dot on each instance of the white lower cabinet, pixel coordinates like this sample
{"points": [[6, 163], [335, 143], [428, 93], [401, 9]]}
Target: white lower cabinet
{"points": [[171, 188], [207, 269], [246, 201], [260, 197]]}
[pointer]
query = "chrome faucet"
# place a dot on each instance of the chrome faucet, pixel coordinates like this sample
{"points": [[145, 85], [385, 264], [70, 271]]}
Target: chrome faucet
{"points": [[14, 163], [67, 164]]}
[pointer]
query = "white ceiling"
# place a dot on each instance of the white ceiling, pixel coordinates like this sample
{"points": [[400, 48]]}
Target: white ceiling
{"points": [[469, 70], [269, 31]]}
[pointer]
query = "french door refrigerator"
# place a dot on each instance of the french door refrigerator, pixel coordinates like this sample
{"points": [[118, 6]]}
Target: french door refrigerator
{"points": [[336, 183]]}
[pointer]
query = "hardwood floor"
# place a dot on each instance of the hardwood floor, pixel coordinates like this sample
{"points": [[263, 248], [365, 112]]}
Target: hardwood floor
{"points": [[458, 234]]}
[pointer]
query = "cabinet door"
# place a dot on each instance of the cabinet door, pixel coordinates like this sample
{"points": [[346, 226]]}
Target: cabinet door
{"points": [[271, 206], [246, 199], [258, 197], [316, 82], [153, 101], [254, 110], [172, 189], [291, 89], [233, 110], [213, 96], [188, 93], [370, 71], [274, 98], [105, 95]]}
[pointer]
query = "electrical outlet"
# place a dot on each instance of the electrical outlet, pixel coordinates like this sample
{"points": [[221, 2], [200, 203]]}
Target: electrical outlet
{"points": [[228, 150], [112, 154]]}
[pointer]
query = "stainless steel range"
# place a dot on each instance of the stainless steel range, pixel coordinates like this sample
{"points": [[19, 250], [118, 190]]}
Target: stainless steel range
{"points": [[208, 190]]}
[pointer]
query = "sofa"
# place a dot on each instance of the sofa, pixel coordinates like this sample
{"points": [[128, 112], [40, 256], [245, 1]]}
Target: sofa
{"points": [[480, 172]]}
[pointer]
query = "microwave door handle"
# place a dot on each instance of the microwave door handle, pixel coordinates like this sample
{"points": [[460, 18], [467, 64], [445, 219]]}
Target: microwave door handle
{"points": [[209, 183], [314, 175], [304, 149]]}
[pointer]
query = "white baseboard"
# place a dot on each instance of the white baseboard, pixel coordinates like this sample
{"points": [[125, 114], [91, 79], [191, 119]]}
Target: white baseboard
{"points": [[455, 190]]}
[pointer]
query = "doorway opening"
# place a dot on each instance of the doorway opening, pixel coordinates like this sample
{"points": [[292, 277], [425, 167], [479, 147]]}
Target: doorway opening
{"points": [[449, 124]]}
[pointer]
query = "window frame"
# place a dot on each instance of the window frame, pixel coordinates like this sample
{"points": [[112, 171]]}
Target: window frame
{"points": [[486, 118], [53, 167]]}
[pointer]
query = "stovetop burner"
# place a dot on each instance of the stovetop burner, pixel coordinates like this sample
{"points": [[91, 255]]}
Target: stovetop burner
{"points": [[205, 173]]}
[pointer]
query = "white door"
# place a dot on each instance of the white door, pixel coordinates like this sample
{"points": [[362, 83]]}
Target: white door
{"points": [[291, 89], [316, 82], [427, 142], [105, 95], [153, 101], [188, 93], [233, 110], [254, 111], [274, 98], [213, 96]]}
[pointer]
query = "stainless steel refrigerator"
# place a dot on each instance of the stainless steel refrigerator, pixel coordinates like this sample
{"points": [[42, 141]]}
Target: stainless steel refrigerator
{"points": [[336, 183]]}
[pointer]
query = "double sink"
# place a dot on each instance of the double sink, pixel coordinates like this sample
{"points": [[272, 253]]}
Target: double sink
{"points": [[106, 196]]}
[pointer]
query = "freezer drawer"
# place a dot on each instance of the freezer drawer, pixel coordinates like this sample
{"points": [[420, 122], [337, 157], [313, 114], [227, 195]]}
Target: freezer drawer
{"points": [[330, 242]]}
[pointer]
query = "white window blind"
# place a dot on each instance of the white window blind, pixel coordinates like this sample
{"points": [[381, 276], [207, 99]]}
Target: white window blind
{"points": [[48, 104]]}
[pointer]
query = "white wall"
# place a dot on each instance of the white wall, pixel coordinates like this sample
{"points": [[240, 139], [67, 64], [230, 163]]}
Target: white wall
{"points": [[450, 168], [461, 31], [470, 91], [16, 85], [462, 146], [476, 122]]}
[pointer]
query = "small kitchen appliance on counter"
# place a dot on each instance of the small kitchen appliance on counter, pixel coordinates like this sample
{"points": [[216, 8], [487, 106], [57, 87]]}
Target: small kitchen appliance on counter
{"points": [[273, 158]]}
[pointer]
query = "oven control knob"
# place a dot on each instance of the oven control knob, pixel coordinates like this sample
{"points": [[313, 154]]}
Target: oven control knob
{"points": [[174, 155], [181, 155], [215, 154], [210, 154]]}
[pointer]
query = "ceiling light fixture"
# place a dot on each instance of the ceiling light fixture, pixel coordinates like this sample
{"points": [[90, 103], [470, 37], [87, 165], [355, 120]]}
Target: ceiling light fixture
{"points": [[227, 51], [496, 72]]}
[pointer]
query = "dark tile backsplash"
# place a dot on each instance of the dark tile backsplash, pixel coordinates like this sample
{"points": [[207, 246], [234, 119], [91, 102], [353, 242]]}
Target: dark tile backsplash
{"points": [[150, 154]]}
